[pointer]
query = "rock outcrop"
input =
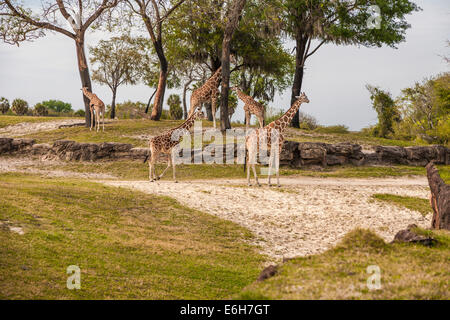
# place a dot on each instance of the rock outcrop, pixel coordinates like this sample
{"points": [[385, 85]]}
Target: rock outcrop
{"points": [[295, 154]]}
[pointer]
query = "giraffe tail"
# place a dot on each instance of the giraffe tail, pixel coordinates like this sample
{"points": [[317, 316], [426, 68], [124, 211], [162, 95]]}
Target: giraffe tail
{"points": [[146, 158]]}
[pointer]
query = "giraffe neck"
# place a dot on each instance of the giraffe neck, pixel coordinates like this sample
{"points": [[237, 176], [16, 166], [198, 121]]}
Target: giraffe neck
{"points": [[88, 94], [241, 94], [217, 76], [286, 118], [188, 123]]}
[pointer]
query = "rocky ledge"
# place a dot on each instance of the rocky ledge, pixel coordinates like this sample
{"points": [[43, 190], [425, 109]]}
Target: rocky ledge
{"points": [[295, 154]]}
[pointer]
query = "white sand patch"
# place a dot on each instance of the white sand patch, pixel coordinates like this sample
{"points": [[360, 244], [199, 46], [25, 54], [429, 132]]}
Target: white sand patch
{"points": [[25, 128], [306, 216]]}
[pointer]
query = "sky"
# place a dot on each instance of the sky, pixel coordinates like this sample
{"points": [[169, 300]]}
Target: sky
{"points": [[334, 81]]}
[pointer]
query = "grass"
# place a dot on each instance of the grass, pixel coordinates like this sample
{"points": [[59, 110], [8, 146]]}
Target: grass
{"points": [[6, 120], [136, 170], [412, 203], [129, 245], [128, 131], [408, 271], [334, 135]]}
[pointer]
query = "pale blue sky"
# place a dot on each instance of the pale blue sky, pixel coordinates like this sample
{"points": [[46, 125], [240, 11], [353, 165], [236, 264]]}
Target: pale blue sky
{"points": [[334, 81]]}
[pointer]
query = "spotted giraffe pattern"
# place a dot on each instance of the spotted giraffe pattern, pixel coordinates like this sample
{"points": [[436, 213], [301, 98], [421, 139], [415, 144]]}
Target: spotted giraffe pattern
{"points": [[273, 130], [166, 142], [97, 105], [251, 107], [209, 91]]}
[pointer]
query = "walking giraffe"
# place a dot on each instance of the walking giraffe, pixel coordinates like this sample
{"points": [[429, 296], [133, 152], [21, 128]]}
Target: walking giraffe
{"points": [[166, 143], [250, 107], [262, 139]]}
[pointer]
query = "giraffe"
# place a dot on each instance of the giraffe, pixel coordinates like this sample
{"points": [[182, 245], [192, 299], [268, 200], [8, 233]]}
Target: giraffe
{"points": [[166, 142], [97, 105], [206, 93], [272, 132], [250, 107]]}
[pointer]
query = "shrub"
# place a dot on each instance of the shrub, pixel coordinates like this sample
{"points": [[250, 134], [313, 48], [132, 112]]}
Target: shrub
{"points": [[332, 129], [130, 110], [40, 110], [175, 110], [4, 105], [80, 113], [57, 105], [307, 122], [19, 107]]}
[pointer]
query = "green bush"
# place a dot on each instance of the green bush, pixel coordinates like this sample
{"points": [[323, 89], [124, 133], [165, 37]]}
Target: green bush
{"points": [[40, 110], [19, 107], [80, 113], [332, 129], [131, 110], [4, 105], [307, 122], [57, 106], [175, 110]]}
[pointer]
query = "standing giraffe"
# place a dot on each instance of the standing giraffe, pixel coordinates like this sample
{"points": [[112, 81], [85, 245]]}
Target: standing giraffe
{"points": [[206, 93], [250, 107], [166, 142], [95, 104], [272, 132]]}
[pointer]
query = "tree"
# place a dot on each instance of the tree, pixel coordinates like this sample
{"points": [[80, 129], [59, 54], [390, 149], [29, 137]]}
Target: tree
{"points": [[40, 110], [120, 61], [19, 107], [4, 105], [154, 13], [351, 22], [426, 108], [386, 109], [194, 46], [232, 23], [18, 24], [175, 111], [57, 106]]}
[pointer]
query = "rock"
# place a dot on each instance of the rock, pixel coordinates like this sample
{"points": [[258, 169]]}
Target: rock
{"points": [[268, 272], [313, 153], [408, 235], [439, 199], [391, 154], [422, 155]]}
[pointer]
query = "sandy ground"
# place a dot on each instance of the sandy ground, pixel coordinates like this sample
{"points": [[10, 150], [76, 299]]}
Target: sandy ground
{"points": [[25, 128], [305, 216], [44, 168]]}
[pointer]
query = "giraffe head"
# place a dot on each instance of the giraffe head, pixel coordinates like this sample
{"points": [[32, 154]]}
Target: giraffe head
{"points": [[85, 89], [302, 98], [199, 114]]}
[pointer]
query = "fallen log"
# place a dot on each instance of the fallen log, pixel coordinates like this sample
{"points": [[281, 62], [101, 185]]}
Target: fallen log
{"points": [[439, 198]]}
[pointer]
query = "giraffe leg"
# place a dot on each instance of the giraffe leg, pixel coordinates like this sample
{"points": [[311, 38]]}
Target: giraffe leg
{"points": [[98, 120], [213, 106], [261, 121], [270, 167], [248, 169], [91, 110], [247, 120], [103, 119], [277, 167], [169, 163], [256, 177], [173, 168]]}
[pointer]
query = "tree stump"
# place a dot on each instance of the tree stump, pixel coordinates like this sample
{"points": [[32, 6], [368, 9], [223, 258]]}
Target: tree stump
{"points": [[439, 198]]}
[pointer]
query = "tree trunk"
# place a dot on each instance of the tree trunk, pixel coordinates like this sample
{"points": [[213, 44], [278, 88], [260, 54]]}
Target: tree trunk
{"points": [[439, 199], [85, 76], [113, 105], [233, 20], [159, 97], [185, 112], [298, 76], [208, 109]]}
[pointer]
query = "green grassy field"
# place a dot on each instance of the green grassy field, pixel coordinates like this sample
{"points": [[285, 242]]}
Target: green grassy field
{"points": [[412, 203], [136, 170], [408, 271], [127, 244], [128, 131]]}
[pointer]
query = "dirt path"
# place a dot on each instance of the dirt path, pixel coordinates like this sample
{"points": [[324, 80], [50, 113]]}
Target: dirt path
{"points": [[305, 216], [25, 128]]}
